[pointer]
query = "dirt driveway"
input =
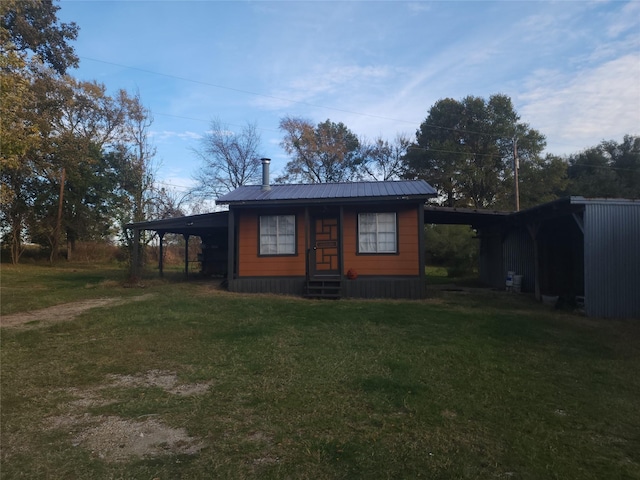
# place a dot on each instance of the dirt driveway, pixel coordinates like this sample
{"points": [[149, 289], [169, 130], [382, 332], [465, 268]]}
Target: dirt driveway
{"points": [[109, 437], [64, 312]]}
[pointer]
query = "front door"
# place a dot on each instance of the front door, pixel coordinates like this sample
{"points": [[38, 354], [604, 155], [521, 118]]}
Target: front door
{"points": [[325, 252]]}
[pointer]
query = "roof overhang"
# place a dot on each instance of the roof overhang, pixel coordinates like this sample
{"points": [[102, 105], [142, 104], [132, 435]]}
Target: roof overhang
{"points": [[199, 225], [477, 218]]}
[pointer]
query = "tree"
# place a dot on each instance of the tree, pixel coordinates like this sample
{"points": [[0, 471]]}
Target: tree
{"points": [[30, 37], [328, 152], [452, 246], [609, 169], [466, 150], [542, 180], [133, 159], [32, 26], [229, 159], [80, 121], [19, 135], [437, 155], [626, 162], [383, 160], [65, 184], [73, 158]]}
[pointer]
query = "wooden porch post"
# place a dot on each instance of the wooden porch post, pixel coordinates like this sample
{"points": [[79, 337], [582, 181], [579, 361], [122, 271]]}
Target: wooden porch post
{"points": [[161, 259], [341, 241], [307, 245]]}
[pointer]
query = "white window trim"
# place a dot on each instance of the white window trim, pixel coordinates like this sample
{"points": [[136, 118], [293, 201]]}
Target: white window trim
{"points": [[281, 248], [374, 248]]}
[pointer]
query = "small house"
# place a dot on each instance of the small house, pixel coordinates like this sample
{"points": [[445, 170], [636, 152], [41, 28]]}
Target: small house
{"points": [[360, 239]]}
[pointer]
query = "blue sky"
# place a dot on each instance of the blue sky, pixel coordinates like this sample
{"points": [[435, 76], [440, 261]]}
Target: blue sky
{"points": [[572, 69]]}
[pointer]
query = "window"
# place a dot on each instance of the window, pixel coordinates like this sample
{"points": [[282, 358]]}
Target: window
{"points": [[377, 233], [278, 235]]}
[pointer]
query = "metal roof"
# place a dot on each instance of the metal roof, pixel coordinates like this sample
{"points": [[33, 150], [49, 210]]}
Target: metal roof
{"points": [[346, 192], [192, 225], [475, 217]]}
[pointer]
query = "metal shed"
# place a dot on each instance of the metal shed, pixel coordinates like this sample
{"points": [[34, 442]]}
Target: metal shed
{"points": [[574, 247]]}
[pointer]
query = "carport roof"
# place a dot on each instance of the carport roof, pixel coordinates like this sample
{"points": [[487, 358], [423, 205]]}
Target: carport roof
{"points": [[477, 218], [191, 225]]}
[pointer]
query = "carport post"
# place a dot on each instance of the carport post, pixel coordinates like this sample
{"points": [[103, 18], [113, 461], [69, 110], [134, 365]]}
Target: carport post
{"points": [[186, 255], [161, 259], [135, 262]]}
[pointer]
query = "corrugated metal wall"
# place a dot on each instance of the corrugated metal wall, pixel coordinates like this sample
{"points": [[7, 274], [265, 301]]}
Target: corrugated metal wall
{"points": [[501, 253], [490, 258], [612, 260], [518, 257]]}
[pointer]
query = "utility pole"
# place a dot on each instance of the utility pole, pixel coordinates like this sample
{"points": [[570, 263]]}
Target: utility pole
{"points": [[58, 227]]}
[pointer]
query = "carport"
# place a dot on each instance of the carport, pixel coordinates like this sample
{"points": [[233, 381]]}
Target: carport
{"points": [[581, 247], [578, 249], [212, 228]]}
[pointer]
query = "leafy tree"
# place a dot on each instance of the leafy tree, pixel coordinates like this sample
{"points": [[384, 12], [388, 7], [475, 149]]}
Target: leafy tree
{"points": [[229, 159], [88, 204], [29, 35], [328, 152], [73, 158], [626, 162], [20, 134], [466, 150], [383, 160], [32, 26], [609, 169], [452, 246], [437, 156], [81, 120], [542, 180]]}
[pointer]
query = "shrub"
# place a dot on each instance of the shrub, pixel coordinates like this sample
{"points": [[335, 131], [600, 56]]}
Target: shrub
{"points": [[453, 247]]}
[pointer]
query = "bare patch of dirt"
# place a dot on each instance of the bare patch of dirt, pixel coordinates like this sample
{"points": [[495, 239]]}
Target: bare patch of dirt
{"points": [[168, 381], [117, 439], [64, 312]]}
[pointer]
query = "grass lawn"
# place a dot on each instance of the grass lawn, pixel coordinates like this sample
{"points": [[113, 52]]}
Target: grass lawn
{"points": [[462, 385]]}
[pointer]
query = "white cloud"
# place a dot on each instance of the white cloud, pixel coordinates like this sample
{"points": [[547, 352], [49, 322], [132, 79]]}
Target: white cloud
{"points": [[626, 19], [578, 111], [166, 135], [323, 80], [419, 7]]}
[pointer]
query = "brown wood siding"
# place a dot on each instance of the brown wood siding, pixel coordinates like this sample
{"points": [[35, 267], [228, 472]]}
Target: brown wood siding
{"points": [[251, 264], [405, 262]]}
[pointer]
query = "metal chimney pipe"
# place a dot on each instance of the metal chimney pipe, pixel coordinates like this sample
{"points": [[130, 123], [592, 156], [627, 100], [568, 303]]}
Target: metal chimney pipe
{"points": [[265, 173]]}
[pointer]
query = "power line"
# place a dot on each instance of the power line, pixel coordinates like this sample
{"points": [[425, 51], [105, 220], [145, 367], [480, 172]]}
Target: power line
{"points": [[565, 160], [177, 187], [248, 92], [273, 97], [208, 121]]}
